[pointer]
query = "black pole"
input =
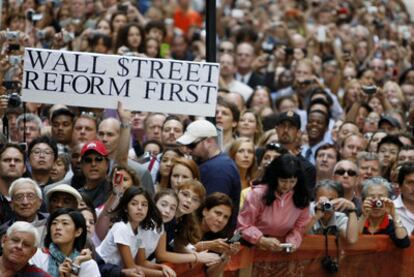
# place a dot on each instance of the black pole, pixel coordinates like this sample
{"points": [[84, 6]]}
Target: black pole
{"points": [[211, 31]]}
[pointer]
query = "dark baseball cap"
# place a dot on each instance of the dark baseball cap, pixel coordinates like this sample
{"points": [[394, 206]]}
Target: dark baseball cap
{"points": [[391, 120], [290, 116]]}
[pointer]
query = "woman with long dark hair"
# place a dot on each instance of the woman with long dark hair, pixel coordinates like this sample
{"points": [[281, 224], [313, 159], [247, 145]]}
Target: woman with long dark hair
{"points": [[277, 212], [64, 251]]}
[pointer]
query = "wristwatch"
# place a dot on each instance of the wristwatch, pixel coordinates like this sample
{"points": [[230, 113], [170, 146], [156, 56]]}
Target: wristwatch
{"points": [[125, 125], [75, 269]]}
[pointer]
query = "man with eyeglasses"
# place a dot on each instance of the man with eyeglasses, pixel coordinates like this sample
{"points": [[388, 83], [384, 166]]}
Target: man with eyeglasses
{"points": [[12, 167], [217, 171], [346, 172], [404, 203], [43, 153], [26, 200], [19, 246], [95, 165]]}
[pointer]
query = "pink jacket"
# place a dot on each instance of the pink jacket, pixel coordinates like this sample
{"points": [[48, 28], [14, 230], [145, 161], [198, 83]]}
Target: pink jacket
{"points": [[282, 219]]}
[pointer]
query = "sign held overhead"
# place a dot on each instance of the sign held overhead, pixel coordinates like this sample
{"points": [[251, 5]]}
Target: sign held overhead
{"points": [[99, 81]]}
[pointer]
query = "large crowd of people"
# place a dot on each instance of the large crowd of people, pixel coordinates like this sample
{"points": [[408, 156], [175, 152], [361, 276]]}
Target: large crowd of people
{"points": [[313, 134]]}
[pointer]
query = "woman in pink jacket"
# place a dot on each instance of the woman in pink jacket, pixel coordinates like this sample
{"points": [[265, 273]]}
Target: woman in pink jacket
{"points": [[275, 214]]}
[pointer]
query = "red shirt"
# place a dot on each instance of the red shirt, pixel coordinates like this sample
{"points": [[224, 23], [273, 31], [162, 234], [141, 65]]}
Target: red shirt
{"points": [[186, 19]]}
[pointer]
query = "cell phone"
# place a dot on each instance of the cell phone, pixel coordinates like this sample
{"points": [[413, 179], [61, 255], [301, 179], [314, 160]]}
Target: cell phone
{"points": [[321, 35], [237, 14], [68, 36], [13, 60], [288, 247], [122, 8], [370, 90], [12, 35], [119, 177], [236, 237]]}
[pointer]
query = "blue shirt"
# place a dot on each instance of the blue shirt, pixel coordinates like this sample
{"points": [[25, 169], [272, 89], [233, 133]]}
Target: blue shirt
{"points": [[220, 174]]}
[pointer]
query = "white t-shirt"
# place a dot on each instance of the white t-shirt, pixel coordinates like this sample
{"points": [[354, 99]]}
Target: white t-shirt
{"points": [[87, 269], [150, 239], [120, 233], [406, 216]]}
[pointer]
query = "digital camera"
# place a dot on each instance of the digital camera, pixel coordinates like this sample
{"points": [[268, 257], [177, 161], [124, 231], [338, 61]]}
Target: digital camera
{"points": [[377, 203], [327, 206], [288, 247]]}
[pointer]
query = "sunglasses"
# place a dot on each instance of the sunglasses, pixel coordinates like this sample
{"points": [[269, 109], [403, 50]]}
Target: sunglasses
{"points": [[89, 160], [276, 147], [193, 145], [350, 172]]}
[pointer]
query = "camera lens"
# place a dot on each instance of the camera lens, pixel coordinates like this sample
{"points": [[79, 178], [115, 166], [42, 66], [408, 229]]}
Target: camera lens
{"points": [[327, 206], [14, 100]]}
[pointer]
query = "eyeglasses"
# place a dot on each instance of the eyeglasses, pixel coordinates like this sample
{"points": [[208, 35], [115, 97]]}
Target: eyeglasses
{"points": [[350, 172], [89, 115], [45, 152], [89, 160], [193, 145], [276, 147], [188, 194], [21, 196]]}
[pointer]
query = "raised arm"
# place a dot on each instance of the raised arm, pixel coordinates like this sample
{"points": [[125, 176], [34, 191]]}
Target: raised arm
{"points": [[121, 156]]}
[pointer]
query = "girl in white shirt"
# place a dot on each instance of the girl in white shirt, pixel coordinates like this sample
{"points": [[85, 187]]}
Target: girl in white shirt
{"points": [[136, 217]]}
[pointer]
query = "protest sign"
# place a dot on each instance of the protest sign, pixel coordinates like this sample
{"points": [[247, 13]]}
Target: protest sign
{"points": [[99, 81]]}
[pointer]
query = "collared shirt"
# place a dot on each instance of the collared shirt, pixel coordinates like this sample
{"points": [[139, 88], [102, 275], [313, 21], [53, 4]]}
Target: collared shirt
{"points": [[308, 152], [244, 78], [406, 216], [241, 88], [340, 220], [282, 219]]}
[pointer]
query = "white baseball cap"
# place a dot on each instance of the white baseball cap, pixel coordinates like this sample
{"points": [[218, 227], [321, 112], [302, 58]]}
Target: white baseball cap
{"points": [[197, 130]]}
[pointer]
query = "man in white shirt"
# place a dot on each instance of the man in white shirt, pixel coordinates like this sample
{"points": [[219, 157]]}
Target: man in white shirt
{"points": [[404, 204], [227, 71]]}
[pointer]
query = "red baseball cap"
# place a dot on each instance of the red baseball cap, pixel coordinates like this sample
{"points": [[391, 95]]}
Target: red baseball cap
{"points": [[96, 146]]}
